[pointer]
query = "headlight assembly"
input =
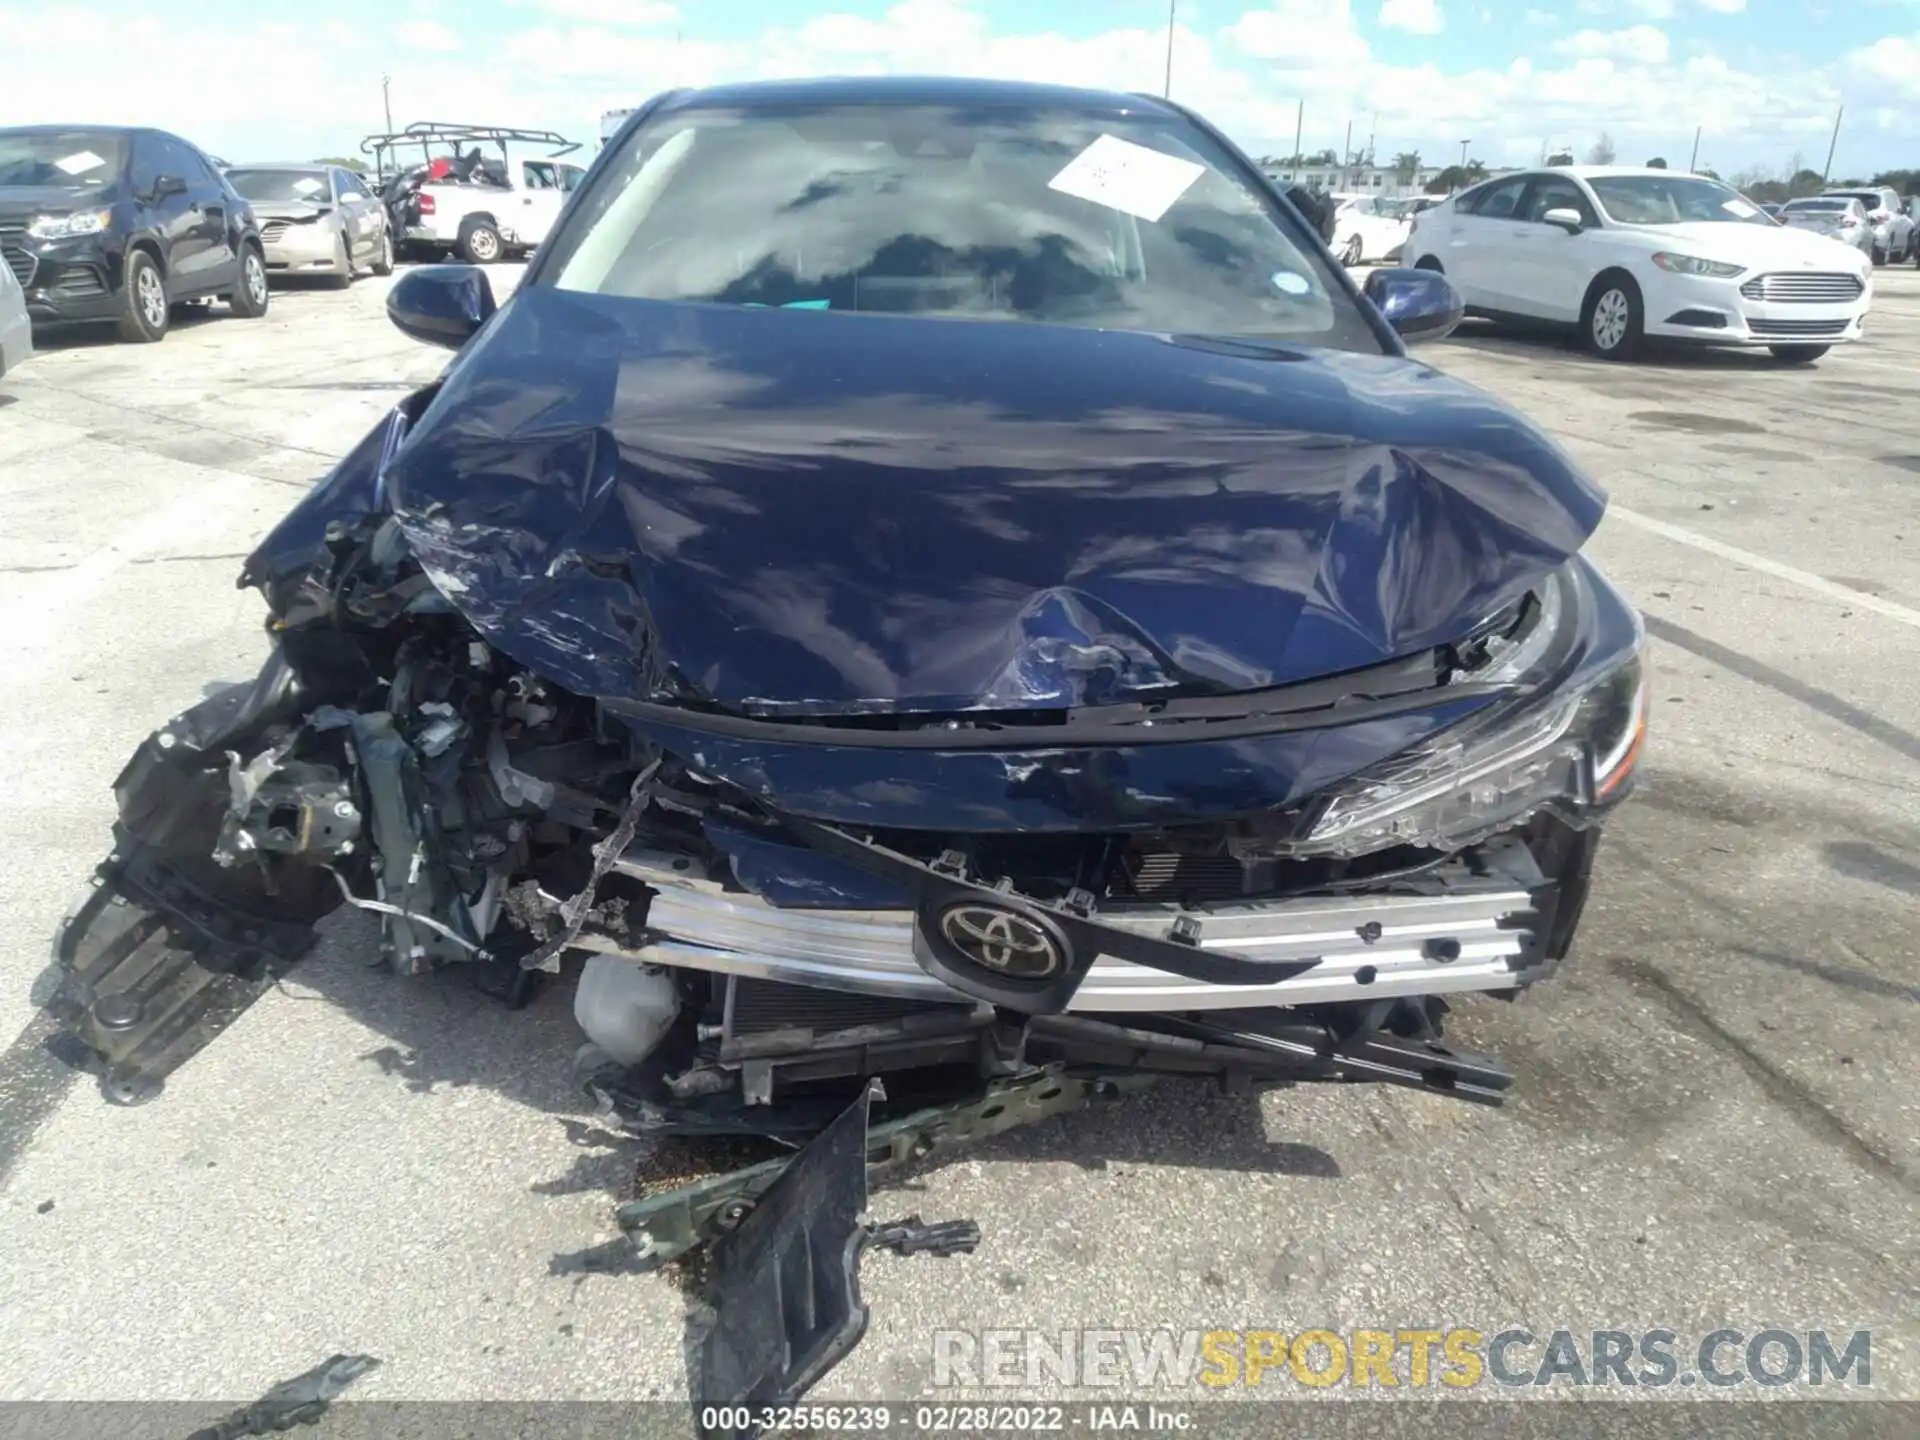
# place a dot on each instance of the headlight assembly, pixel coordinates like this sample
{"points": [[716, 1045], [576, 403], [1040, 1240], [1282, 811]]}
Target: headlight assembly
{"points": [[1572, 747], [1694, 265], [57, 227]]}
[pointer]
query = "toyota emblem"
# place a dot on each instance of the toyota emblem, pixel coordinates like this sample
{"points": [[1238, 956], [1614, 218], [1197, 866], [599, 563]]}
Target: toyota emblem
{"points": [[1002, 941]]}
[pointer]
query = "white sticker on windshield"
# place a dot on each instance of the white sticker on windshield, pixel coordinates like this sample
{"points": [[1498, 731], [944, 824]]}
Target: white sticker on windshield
{"points": [[79, 162], [1287, 282], [1737, 206], [1128, 177], [308, 185]]}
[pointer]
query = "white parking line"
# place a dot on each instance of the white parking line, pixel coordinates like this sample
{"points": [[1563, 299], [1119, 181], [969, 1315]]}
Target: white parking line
{"points": [[1806, 579]]}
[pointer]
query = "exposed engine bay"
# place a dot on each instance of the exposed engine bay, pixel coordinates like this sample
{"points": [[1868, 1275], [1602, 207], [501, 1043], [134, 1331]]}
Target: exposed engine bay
{"points": [[751, 960]]}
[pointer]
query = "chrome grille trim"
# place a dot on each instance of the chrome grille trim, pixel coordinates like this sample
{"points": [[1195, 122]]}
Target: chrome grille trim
{"points": [[272, 232], [1798, 327], [1805, 287], [699, 925]]}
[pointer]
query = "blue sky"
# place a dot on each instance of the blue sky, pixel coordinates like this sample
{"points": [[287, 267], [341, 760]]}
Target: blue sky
{"points": [[1762, 76]]}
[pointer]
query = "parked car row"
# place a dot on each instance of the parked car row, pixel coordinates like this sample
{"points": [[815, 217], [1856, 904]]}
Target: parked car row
{"points": [[1889, 228], [1628, 254], [119, 225]]}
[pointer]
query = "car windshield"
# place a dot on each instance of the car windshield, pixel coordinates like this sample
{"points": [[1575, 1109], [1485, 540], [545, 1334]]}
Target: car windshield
{"points": [[1113, 222], [281, 187], [1868, 200], [61, 159], [1802, 207], [1672, 200]]}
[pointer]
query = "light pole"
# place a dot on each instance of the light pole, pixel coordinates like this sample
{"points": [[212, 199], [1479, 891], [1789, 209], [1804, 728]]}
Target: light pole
{"points": [[1172, 6], [1463, 153], [386, 100]]}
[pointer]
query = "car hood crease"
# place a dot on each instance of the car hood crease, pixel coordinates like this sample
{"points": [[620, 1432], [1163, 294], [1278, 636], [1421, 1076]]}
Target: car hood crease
{"points": [[790, 512]]}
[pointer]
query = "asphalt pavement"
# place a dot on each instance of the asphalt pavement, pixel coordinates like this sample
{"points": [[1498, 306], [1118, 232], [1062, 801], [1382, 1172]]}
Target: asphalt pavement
{"points": [[1714, 1121]]}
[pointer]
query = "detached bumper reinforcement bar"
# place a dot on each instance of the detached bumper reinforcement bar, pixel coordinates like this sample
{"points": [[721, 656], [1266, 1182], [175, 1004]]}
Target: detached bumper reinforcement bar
{"points": [[1472, 936]]}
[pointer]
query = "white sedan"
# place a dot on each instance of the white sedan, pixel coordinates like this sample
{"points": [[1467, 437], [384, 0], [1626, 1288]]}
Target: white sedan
{"points": [[1625, 254], [1363, 231]]}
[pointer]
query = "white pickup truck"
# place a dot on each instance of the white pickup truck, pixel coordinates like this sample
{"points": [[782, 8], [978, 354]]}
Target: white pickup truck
{"points": [[482, 220], [456, 198]]}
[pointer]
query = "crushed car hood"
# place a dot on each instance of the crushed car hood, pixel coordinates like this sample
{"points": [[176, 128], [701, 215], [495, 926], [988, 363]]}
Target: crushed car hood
{"points": [[788, 512]]}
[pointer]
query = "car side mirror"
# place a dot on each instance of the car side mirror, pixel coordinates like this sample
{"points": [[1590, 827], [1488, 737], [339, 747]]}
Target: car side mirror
{"points": [[441, 304], [1420, 305], [168, 185], [1564, 218]]}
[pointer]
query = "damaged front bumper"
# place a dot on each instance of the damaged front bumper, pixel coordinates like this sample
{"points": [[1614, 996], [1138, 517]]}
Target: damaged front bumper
{"points": [[1469, 928]]}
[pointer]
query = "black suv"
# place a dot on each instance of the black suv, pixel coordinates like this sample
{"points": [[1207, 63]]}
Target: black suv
{"points": [[119, 224]]}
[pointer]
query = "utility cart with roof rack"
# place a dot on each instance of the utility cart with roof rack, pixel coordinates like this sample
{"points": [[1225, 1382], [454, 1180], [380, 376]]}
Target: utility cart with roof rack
{"points": [[474, 191]]}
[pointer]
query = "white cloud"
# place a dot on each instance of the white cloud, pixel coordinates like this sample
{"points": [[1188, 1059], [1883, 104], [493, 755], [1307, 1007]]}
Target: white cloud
{"points": [[1638, 44], [634, 13], [1417, 17], [1655, 9], [1893, 58], [1314, 35], [1246, 76], [427, 35]]}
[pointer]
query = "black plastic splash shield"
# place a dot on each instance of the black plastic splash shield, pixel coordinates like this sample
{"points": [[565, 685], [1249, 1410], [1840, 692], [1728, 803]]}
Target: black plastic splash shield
{"points": [[786, 1283]]}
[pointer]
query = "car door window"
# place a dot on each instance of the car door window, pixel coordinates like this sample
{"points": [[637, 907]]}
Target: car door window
{"points": [[1554, 193], [176, 157], [146, 164], [1502, 199], [189, 164], [539, 175], [570, 177]]}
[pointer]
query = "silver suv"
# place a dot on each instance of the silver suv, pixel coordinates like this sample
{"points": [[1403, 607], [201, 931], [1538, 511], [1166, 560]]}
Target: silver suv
{"points": [[1893, 227]]}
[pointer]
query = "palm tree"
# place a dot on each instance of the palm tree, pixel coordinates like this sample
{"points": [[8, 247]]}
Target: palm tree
{"points": [[1406, 165]]}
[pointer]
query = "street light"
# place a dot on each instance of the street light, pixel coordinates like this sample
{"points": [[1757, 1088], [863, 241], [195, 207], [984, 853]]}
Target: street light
{"points": [[1463, 153]]}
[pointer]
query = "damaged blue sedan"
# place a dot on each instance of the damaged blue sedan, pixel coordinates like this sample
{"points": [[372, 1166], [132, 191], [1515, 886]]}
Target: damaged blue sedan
{"points": [[942, 583]]}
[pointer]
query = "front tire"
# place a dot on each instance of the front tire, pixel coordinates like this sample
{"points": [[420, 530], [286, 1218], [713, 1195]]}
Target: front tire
{"points": [[384, 265], [344, 279], [1878, 255], [480, 242], [249, 299], [1798, 354], [1351, 255], [1613, 323], [144, 308]]}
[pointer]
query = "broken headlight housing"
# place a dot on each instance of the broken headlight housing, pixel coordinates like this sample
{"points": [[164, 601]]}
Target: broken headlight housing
{"points": [[1570, 744]]}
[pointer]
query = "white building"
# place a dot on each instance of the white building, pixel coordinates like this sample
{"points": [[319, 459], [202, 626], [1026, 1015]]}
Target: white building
{"points": [[1382, 180]]}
